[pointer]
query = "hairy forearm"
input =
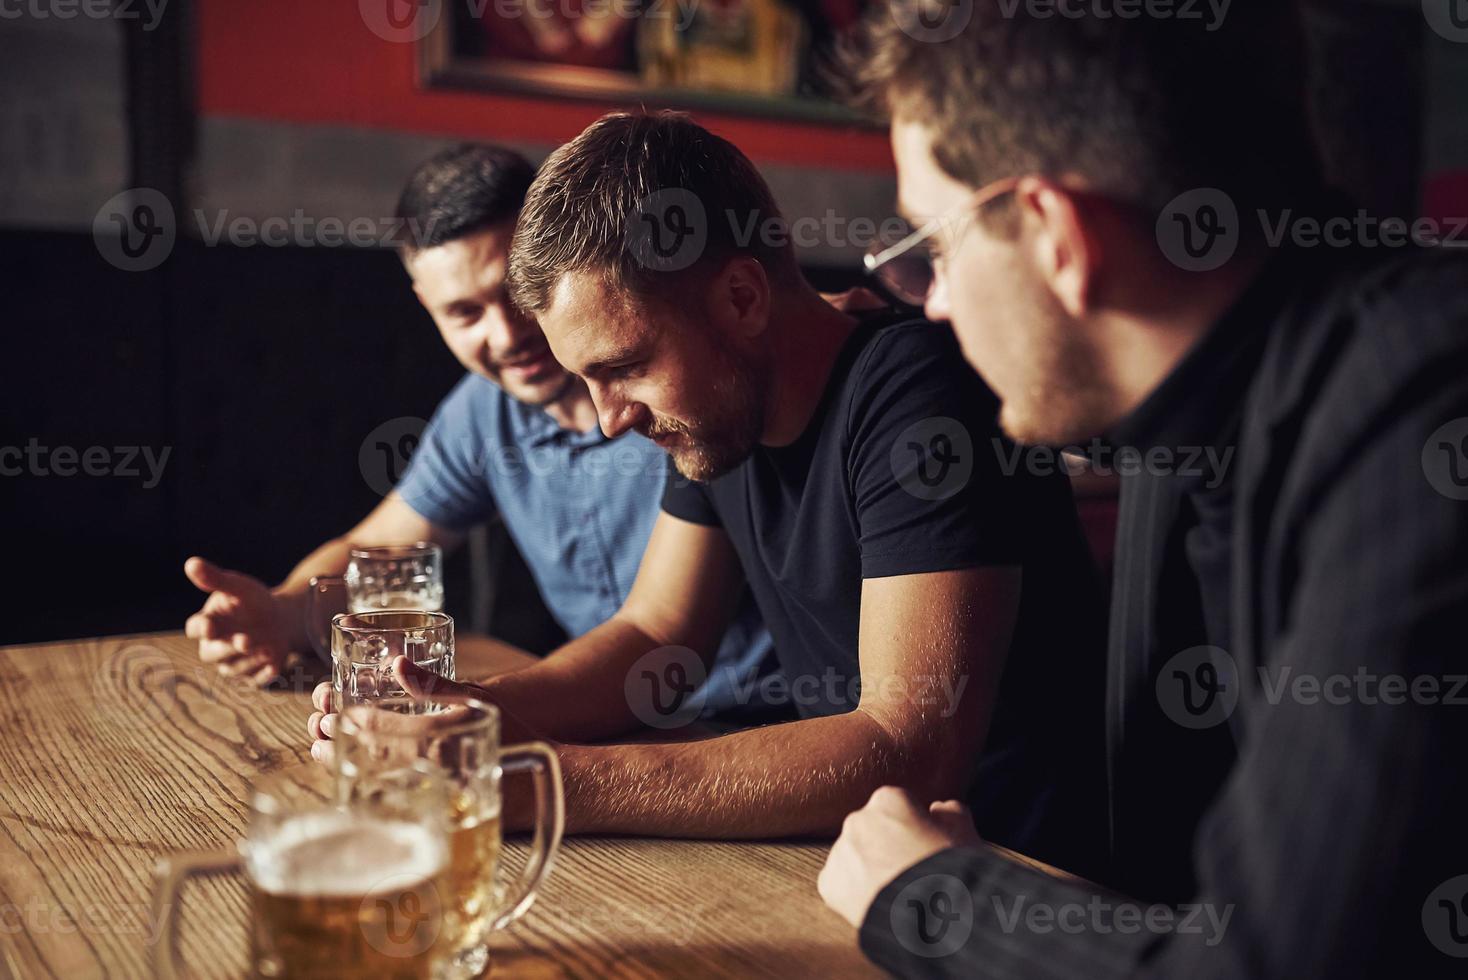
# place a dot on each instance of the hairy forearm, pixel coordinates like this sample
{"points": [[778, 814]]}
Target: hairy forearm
{"points": [[796, 779], [578, 692]]}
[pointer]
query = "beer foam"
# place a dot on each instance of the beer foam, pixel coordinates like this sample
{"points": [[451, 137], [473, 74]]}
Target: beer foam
{"points": [[344, 853]]}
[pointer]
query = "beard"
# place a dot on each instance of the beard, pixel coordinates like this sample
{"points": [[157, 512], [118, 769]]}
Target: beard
{"points": [[724, 434]]}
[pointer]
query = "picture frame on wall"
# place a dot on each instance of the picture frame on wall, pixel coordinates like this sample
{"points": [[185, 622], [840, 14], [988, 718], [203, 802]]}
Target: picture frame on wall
{"points": [[754, 57]]}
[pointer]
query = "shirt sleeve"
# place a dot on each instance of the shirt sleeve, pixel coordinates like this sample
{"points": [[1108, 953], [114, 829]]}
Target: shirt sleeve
{"points": [[925, 460], [688, 499], [1335, 847], [446, 480]]}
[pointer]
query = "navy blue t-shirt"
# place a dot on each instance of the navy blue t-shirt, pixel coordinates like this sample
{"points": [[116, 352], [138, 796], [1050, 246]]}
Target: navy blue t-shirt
{"points": [[901, 471]]}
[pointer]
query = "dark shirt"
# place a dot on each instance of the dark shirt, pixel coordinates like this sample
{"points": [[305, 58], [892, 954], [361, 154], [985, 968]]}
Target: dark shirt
{"points": [[1170, 593], [1334, 844], [899, 473]]}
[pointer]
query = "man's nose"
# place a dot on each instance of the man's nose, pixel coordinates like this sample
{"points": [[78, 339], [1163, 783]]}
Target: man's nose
{"points": [[616, 415], [502, 334]]}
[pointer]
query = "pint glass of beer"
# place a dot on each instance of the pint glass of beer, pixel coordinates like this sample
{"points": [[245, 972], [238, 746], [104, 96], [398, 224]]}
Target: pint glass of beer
{"points": [[406, 576], [335, 891], [462, 741], [364, 645]]}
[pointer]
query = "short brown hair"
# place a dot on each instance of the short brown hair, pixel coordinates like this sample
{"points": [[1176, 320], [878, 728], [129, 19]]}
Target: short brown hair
{"points": [[583, 209], [1142, 108]]}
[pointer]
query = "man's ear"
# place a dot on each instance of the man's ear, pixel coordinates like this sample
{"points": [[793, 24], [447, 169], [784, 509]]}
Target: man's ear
{"points": [[1065, 251], [741, 297]]}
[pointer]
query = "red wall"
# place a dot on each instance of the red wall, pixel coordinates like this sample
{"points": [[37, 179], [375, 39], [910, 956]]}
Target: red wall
{"points": [[316, 61]]}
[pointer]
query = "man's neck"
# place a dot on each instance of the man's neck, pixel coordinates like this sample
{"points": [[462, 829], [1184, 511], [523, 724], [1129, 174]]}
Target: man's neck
{"points": [[1167, 321], [805, 334], [573, 409]]}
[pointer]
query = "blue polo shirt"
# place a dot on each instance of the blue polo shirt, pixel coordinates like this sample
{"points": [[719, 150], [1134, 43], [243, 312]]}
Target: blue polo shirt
{"points": [[579, 506]]}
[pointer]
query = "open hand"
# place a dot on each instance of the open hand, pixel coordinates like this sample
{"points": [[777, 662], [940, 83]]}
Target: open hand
{"points": [[239, 628]]}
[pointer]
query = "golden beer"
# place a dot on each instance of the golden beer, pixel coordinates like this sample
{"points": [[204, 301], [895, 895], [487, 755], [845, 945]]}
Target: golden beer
{"points": [[340, 894], [474, 856]]}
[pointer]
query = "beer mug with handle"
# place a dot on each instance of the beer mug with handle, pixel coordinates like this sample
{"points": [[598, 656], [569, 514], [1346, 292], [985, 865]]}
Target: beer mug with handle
{"points": [[398, 576], [462, 741], [352, 890], [364, 646]]}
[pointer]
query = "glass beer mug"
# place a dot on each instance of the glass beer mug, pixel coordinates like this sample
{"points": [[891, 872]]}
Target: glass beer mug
{"points": [[364, 645], [336, 891], [462, 741], [389, 577]]}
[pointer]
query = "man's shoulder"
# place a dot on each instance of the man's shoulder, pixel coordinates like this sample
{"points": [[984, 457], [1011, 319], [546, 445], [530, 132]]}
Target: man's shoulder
{"points": [[473, 398], [1367, 341], [902, 358], [889, 336], [1374, 324]]}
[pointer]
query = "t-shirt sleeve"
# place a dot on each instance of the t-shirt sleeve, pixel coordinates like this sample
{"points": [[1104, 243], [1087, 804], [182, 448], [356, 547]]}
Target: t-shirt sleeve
{"points": [[928, 484], [445, 481], [688, 499]]}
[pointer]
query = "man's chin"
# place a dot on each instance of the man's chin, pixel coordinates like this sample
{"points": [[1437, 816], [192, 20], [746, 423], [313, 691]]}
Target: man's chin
{"points": [[538, 393], [700, 464], [1037, 428]]}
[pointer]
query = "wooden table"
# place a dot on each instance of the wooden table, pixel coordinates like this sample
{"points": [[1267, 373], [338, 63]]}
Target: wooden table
{"points": [[116, 751]]}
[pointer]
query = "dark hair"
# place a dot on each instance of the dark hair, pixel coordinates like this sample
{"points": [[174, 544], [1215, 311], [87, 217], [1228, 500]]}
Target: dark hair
{"points": [[460, 191], [587, 206], [1142, 109]]}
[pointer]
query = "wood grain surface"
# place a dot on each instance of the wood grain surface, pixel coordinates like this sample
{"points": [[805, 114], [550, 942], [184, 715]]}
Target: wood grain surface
{"points": [[117, 751]]}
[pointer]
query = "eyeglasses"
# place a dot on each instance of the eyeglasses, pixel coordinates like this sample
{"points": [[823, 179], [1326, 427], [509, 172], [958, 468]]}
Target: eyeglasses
{"points": [[908, 269]]}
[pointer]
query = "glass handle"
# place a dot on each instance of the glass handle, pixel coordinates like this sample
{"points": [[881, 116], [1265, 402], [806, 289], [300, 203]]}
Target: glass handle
{"points": [[318, 613], [171, 873], [539, 759]]}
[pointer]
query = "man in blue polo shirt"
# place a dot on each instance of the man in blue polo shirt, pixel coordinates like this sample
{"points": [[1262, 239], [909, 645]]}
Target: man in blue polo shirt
{"points": [[518, 437]]}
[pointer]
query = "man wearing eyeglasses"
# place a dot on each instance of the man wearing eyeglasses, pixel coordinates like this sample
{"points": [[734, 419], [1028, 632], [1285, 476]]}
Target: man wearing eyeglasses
{"points": [[1283, 737], [928, 595]]}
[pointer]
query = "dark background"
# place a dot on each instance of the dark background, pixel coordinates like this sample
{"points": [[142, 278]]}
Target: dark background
{"points": [[262, 370]]}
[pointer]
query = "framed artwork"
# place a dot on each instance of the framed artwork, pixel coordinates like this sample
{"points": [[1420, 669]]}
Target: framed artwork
{"points": [[756, 57]]}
